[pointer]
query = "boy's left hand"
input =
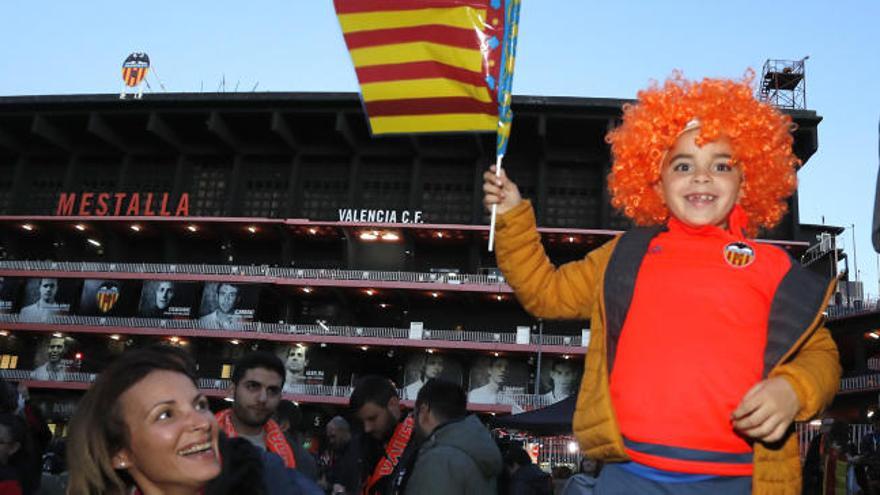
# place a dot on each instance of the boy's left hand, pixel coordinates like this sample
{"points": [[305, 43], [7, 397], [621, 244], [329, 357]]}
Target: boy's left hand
{"points": [[767, 410]]}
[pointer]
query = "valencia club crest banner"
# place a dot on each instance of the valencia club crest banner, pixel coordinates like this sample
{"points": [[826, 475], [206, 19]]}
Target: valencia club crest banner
{"points": [[431, 65]]}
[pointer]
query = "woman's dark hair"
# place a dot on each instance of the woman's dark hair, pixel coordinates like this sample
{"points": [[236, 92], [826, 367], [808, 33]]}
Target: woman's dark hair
{"points": [[259, 359], [25, 461], [98, 430]]}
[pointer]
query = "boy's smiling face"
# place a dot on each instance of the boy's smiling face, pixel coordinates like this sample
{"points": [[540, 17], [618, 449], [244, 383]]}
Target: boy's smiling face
{"points": [[699, 185]]}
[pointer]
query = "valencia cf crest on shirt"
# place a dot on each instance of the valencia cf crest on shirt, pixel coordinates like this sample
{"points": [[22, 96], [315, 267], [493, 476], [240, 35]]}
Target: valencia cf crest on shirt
{"points": [[739, 254]]}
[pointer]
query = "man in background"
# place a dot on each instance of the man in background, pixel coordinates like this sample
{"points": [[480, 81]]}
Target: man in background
{"points": [[257, 381], [343, 470], [387, 433], [289, 417], [457, 453]]}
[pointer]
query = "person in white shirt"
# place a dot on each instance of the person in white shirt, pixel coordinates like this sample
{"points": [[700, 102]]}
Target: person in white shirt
{"points": [[45, 306], [54, 368], [224, 316], [295, 362], [432, 367], [488, 393], [563, 375]]}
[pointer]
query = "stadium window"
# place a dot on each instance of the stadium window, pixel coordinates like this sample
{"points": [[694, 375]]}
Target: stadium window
{"points": [[226, 371], [8, 361]]}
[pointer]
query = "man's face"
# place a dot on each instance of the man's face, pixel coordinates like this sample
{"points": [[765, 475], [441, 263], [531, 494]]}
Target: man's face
{"points": [[498, 371], [422, 421], [55, 350], [164, 294], [378, 421], [563, 375], [227, 296], [433, 367], [256, 396], [335, 437], [48, 288], [296, 359]]}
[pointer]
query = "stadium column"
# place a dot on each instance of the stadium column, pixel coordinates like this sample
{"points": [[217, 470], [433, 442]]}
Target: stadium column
{"points": [[17, 205], [294, 201], [354, 192], [116, 249], [861, 356], [479, 215], [232, 207], [294, 194], [795, 215], [541, 172], [415, 183], [20, 189], [182, 176], [605, 204]]}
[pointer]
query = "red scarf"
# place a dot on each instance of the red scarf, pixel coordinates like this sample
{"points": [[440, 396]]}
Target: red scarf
{"points": [[393, 451], [273, 436]]}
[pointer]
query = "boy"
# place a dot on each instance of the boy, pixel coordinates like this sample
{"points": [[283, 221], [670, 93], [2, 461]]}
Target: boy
{"points": [[705, 345]]}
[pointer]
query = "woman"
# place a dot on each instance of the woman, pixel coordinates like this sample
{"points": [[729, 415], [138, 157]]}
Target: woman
{"points": [[11, 442], [143, 427]]}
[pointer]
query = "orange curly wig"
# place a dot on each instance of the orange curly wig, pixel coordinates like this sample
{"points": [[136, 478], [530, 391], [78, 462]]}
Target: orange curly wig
{"points": [[760, 138]]}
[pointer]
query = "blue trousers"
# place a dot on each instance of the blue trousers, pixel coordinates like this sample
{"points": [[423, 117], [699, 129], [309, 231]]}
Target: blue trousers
{"points": [[614, 480]]}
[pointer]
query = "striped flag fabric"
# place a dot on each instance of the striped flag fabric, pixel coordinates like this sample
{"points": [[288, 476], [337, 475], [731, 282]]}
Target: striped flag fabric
{"points": [[431, 65]]}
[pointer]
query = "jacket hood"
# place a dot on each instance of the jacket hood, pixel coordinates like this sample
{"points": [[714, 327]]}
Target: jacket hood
{"points": [[472, 438]]}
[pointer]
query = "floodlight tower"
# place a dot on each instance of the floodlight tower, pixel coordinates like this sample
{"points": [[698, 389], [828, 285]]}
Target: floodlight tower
{"points": [[783, 83]]}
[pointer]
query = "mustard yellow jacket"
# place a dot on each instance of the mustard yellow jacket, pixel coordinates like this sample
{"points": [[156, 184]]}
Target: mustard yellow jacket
{"points": [[805, 355]]}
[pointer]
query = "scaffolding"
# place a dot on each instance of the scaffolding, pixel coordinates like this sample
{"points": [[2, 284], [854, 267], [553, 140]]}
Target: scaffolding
{"points": [[783, 83]]}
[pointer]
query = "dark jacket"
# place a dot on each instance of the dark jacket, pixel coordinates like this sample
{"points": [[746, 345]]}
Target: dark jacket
{"points": [[305, 461], [459, 457], [241, 470], [247, 469], [344, 469], [530, 480]]}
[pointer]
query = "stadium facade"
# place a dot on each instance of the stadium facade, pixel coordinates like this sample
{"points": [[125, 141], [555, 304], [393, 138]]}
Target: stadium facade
{"points": [[229, 222]]}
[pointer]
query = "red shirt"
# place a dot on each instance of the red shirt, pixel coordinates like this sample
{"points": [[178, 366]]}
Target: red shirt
{"points": [[692, 345]]}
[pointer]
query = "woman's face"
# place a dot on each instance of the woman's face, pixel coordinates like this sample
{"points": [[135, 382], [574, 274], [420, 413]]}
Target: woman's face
{"points": [[172, 434]]}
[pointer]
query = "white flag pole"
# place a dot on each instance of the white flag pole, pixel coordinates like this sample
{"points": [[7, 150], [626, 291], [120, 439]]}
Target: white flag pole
{"points": [[494, 207]]}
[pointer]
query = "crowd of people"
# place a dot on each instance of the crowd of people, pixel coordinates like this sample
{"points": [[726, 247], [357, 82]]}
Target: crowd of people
{"points": [[145, 428]]}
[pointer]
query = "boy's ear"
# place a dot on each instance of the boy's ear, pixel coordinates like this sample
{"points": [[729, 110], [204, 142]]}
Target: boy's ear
{"points": [[121, 460]]}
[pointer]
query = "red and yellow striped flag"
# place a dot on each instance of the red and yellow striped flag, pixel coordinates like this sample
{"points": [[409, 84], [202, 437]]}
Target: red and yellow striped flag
{"points": [[426, 65]]}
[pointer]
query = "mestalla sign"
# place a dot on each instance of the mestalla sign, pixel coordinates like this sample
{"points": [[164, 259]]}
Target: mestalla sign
{"points": [[126, 204]]}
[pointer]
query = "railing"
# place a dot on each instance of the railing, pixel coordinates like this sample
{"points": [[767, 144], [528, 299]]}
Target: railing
{"points": [[861, 382], [302, 329], [522, 401], [806, 432], [259, 271], [63, 376], [291, 388], [869, 305], [470, 336]]}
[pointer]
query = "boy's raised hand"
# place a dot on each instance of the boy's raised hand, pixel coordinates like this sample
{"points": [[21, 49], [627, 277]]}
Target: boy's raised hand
{"points": [[767, 410], [499, 190]]}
